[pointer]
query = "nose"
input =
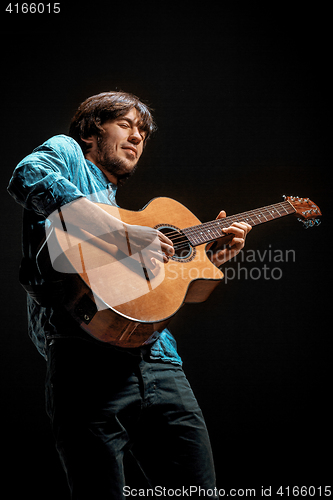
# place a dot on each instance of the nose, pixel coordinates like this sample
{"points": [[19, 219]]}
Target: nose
{"points": [[135, 137]]}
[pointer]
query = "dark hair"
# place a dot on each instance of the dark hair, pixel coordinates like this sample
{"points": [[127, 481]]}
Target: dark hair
{"points": [[97, 109]]}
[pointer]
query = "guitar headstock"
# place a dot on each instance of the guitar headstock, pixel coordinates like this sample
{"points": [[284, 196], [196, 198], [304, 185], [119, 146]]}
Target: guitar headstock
{"points": [[306, 209]]}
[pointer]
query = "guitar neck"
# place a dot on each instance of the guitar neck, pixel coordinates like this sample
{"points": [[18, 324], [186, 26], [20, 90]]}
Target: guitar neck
{"points": [[210, 231]]}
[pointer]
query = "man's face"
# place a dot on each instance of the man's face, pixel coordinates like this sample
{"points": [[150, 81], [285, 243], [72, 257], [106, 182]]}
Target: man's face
{"points": [[118, 150]]}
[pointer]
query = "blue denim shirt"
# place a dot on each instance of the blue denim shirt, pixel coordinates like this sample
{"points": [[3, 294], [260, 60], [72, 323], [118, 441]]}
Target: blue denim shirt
{"points": [[54, 174]]}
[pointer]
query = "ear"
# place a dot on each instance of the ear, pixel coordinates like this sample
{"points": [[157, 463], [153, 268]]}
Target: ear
{"points": [[90, 142]]}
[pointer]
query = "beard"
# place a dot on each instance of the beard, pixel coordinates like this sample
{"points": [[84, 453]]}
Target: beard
{"points": [[121, 169]]}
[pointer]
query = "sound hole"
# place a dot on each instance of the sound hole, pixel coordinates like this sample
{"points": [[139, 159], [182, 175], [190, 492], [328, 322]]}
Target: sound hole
{"points": [[182, 246]]}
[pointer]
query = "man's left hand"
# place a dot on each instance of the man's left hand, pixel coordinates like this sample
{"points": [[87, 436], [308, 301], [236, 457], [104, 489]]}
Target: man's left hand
{"points": [[222, 250]]}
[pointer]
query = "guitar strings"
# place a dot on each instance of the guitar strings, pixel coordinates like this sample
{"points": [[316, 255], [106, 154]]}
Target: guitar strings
{"points": [[181, 240], [239, 217], [234, 218]]}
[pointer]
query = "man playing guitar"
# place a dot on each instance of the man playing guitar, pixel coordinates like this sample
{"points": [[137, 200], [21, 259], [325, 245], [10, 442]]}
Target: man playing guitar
{"points": [[105, 401]]}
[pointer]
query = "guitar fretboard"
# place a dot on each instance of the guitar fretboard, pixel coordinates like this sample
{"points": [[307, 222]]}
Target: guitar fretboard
{"points": [[210, 231]]}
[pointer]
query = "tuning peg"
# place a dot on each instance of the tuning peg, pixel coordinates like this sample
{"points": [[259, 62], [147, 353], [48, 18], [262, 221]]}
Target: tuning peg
{"points": [[310, 223]]}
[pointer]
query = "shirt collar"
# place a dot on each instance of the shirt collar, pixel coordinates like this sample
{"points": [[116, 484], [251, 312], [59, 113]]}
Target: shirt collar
{"points": [[100, 175]]}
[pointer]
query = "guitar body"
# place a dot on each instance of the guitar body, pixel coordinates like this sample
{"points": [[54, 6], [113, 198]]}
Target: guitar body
{"points": [[113, 297]]}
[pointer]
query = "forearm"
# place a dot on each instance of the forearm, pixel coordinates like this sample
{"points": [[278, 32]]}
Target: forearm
{"points": [[82, 214], [87, 215], [130, 239]]}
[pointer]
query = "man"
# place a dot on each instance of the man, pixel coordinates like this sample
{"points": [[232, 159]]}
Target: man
{"points": [[105, 401]]}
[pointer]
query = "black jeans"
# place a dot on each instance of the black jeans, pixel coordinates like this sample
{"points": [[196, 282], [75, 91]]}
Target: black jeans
{"points": [[104, 402]]}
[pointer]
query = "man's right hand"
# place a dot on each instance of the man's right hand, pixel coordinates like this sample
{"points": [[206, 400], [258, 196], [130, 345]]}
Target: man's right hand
{"points": [[150, 243]]}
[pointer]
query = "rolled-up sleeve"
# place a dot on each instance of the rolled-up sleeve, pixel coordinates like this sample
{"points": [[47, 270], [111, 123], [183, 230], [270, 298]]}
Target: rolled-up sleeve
{"points": [[42, 181]]}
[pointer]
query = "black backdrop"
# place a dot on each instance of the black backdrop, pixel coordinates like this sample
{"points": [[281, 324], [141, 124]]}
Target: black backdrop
{"points": [[241, 100]]}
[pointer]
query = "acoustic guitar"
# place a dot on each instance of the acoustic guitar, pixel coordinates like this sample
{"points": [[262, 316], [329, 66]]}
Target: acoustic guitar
{"points": [[117, 299]]}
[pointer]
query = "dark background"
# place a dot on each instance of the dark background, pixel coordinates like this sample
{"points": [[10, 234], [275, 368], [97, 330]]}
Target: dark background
{"points": [[241, 100]]}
